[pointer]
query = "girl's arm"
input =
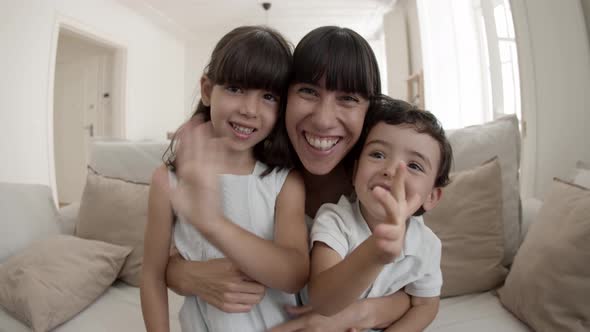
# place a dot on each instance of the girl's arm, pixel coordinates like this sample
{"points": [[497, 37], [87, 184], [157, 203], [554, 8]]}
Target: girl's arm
{"points": [[153, 290], [282, 264], [420, 315]]}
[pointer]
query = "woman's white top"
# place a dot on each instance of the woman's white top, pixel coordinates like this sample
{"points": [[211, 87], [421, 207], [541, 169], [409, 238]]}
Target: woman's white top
{"points": [[248, 201]]}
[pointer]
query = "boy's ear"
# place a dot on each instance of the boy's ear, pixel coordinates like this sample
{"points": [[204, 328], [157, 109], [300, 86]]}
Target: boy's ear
{"points": [[206, 88], [432, 199]]}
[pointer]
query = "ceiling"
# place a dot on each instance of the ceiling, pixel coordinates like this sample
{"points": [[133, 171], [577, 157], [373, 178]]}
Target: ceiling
{"points": [[194, 18]]}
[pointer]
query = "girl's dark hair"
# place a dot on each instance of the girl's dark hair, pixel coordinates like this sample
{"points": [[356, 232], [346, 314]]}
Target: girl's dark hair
{"points": [[250, 57], [398, 112]]}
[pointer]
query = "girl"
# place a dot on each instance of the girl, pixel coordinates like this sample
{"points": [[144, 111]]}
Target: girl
{"points": [[253, 224]]}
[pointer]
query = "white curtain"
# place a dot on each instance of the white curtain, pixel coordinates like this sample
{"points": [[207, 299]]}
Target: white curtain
{"points": [[453, 60]]}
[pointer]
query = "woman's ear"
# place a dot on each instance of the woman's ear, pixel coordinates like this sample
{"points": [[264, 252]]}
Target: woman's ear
{"points": [[432, 199], [206, 88]]}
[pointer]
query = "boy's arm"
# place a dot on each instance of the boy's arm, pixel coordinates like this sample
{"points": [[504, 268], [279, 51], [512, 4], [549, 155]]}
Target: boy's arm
{"points": [[336, 283], [153, 290], [281, 264], [421, 314]]}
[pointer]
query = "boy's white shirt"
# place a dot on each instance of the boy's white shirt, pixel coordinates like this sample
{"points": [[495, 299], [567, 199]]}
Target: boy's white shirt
{"points": [[342, 227]]}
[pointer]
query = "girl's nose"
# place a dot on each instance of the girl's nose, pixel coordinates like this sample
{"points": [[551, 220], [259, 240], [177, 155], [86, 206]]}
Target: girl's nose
{"points": [[249, 107]]}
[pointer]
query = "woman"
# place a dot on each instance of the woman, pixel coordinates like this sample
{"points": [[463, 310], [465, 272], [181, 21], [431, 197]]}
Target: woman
{"points": [[335, 74]]}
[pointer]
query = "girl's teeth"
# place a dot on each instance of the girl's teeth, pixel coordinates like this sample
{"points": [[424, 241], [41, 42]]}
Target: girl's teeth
{"points": [[242, 130], [321, 143]]}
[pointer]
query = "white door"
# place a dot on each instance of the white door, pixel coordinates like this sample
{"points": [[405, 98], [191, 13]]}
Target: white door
{"points": [[78, 114]]}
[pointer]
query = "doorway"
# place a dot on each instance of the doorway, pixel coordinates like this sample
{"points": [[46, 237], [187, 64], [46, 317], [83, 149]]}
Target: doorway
{"points": [[86, 107]]}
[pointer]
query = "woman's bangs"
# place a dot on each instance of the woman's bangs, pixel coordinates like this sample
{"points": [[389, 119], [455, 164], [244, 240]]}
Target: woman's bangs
{"points": [[265, 67], [339, 58]]}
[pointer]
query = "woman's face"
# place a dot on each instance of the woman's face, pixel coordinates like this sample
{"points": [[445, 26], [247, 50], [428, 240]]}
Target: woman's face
{"points": [[323, 125]]}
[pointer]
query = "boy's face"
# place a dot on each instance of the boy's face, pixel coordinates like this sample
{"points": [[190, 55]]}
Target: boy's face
{"points": [[385, 147]]}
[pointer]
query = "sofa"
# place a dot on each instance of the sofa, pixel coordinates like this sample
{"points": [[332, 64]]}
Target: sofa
{"points": [[50, 278]]}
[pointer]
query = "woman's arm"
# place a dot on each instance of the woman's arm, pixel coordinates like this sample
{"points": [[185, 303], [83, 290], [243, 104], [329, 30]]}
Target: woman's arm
{"points": [[379, 312], [153, 291], [420, 315], [281, 264]]}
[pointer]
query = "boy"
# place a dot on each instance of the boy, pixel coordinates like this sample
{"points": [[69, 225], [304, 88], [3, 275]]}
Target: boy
{"points": [[378, 244]]}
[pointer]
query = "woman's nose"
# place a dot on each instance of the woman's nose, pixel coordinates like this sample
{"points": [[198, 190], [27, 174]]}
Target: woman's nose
{"points": [[325, 114]]}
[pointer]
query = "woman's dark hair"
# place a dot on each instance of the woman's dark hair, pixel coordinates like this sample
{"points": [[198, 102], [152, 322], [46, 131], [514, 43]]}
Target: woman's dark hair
{"points": [[250, 57], [342, 56], [398, 112], [347, 62]]}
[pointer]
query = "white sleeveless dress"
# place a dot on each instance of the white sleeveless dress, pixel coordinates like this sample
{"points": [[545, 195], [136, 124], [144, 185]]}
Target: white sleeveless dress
{"points": [[248, 201]]}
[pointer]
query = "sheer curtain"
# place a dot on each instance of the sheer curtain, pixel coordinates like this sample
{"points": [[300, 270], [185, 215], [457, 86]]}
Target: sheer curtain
{"points": [[455, 82]]}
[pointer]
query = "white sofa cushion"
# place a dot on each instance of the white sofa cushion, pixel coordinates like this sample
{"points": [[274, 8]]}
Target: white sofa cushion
{"points": [[27, 213], [474, 145]]}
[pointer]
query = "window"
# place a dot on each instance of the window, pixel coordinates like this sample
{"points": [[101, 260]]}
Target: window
{"points": [[500, 65]]}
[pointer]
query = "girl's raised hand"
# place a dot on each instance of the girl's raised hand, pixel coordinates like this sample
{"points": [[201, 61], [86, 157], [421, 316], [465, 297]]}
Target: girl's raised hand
{"points": [[200, 158], [389, 236]]}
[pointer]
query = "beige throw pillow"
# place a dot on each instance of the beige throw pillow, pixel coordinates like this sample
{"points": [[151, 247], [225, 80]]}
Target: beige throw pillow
{"points": [[468, 221], [115, 211], [548, 286], [54, 279]]}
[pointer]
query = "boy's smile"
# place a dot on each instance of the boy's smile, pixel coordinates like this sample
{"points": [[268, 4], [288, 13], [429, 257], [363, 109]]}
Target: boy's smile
{"points": [[386, 146]]}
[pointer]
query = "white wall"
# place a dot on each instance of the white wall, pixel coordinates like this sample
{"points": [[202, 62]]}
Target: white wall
{"points": [[154, 87], [557, 85]]}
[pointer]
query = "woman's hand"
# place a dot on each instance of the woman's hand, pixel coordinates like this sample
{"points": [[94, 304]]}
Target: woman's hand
{"points": [[306, 320], [216, 281]]}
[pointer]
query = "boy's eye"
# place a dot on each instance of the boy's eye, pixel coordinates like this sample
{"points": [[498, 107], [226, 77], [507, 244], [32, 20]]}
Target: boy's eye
{"points": [[416, 166], [377, 155]]}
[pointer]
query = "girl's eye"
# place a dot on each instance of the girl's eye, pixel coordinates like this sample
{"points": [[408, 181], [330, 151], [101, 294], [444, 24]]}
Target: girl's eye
{"points": [[270, 97], [416, 166], [233, 89], [377, 155]]}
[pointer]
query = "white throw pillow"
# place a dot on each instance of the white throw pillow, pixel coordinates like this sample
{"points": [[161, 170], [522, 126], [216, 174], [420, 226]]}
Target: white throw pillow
{"points": [[27, 214], [581, 174], [474, 145]]}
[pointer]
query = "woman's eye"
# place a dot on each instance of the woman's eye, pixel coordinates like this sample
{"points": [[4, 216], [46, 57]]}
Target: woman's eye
{"points": [[377, 155], [308, 91], [351, 99], [416, 166]]}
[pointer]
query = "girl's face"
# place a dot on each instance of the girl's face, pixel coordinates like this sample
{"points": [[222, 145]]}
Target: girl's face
{"points": [[246, 116], [323, 125]]}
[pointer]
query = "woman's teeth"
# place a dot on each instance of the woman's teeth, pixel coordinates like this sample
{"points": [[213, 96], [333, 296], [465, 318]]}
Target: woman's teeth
{"points": [[321, 143]]}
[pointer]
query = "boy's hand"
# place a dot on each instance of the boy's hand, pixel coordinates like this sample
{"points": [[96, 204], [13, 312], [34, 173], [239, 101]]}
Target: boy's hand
{"points": [[389, 236]]}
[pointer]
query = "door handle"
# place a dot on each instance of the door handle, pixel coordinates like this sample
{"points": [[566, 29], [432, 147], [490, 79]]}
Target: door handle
{"points": [[90, 129]]}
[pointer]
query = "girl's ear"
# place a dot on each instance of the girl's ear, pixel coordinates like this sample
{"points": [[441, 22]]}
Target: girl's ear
{"points": [[206, 88], [432, 199]]}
